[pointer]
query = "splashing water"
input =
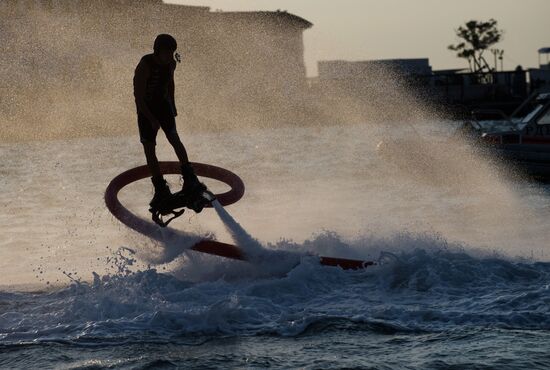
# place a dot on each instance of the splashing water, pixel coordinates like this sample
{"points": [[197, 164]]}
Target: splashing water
{"points": [[241, 237], [456, 283]]}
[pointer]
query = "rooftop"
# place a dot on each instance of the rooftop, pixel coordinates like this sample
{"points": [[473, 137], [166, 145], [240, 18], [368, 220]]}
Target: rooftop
{"points": [[281, 16]]}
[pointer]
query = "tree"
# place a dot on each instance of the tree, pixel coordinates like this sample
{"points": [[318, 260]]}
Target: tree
{"points": [[478, 37]]}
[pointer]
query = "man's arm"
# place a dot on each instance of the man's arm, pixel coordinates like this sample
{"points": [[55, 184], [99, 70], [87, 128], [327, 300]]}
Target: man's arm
{"points": [[140, 84], [171, 91]]}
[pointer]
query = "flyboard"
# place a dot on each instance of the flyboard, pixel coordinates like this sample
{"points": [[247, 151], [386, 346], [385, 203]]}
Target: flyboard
{"points": [[233, 195]]}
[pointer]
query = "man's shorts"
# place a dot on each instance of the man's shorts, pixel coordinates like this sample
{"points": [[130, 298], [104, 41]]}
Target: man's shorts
{"points": [[163, 112]]}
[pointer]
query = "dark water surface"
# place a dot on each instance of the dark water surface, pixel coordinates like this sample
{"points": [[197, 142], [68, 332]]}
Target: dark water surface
{"points": [[423, 310]]}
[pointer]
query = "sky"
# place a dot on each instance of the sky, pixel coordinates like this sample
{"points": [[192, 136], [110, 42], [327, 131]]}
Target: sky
{"points": [[384, 29]]}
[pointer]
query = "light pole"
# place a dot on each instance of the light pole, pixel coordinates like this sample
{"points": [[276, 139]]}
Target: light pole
{"points": [[497, 54]]}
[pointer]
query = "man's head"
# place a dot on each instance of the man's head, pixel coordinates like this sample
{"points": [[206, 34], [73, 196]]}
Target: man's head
{"points": [[164, 48]]}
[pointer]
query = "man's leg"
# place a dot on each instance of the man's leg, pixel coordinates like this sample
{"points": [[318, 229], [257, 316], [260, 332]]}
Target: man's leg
{"points": [[174, 140], [152, 161], [162, 190], [148, 137], [190, 181]]}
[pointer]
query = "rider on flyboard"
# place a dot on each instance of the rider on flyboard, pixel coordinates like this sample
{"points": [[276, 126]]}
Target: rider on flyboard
{"points": [[154, 94]]}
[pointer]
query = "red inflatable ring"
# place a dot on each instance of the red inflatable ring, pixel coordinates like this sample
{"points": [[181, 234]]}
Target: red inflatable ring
{"points": [[148, 228]]}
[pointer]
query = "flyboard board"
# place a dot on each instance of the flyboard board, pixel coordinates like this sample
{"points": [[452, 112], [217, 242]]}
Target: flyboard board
{"points": [[233, 195]]}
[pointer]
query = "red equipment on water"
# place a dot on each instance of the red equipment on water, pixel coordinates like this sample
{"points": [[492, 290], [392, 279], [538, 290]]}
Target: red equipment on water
{"points": [[205, 246]]}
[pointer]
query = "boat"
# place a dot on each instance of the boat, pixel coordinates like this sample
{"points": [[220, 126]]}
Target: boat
{"points": [[522, 139]]}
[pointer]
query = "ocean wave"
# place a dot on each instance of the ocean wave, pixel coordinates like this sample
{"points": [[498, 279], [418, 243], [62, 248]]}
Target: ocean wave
{"points": [[427, 285], [420, 290]]}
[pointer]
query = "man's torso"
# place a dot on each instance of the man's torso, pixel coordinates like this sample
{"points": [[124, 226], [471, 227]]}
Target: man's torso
{"points": [[160, 77]]}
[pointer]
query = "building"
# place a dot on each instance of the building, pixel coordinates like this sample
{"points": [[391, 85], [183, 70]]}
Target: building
{"points": [[342, 69], [369, 82], [237, 66], [540, 77], [544, 64]]}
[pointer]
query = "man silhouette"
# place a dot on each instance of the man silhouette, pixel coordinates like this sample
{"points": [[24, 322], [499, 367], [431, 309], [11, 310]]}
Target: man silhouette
{"points": [[154, 94]]}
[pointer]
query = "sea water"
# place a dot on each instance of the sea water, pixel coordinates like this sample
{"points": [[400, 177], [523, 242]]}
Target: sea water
{"points": [[463, 280]]}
